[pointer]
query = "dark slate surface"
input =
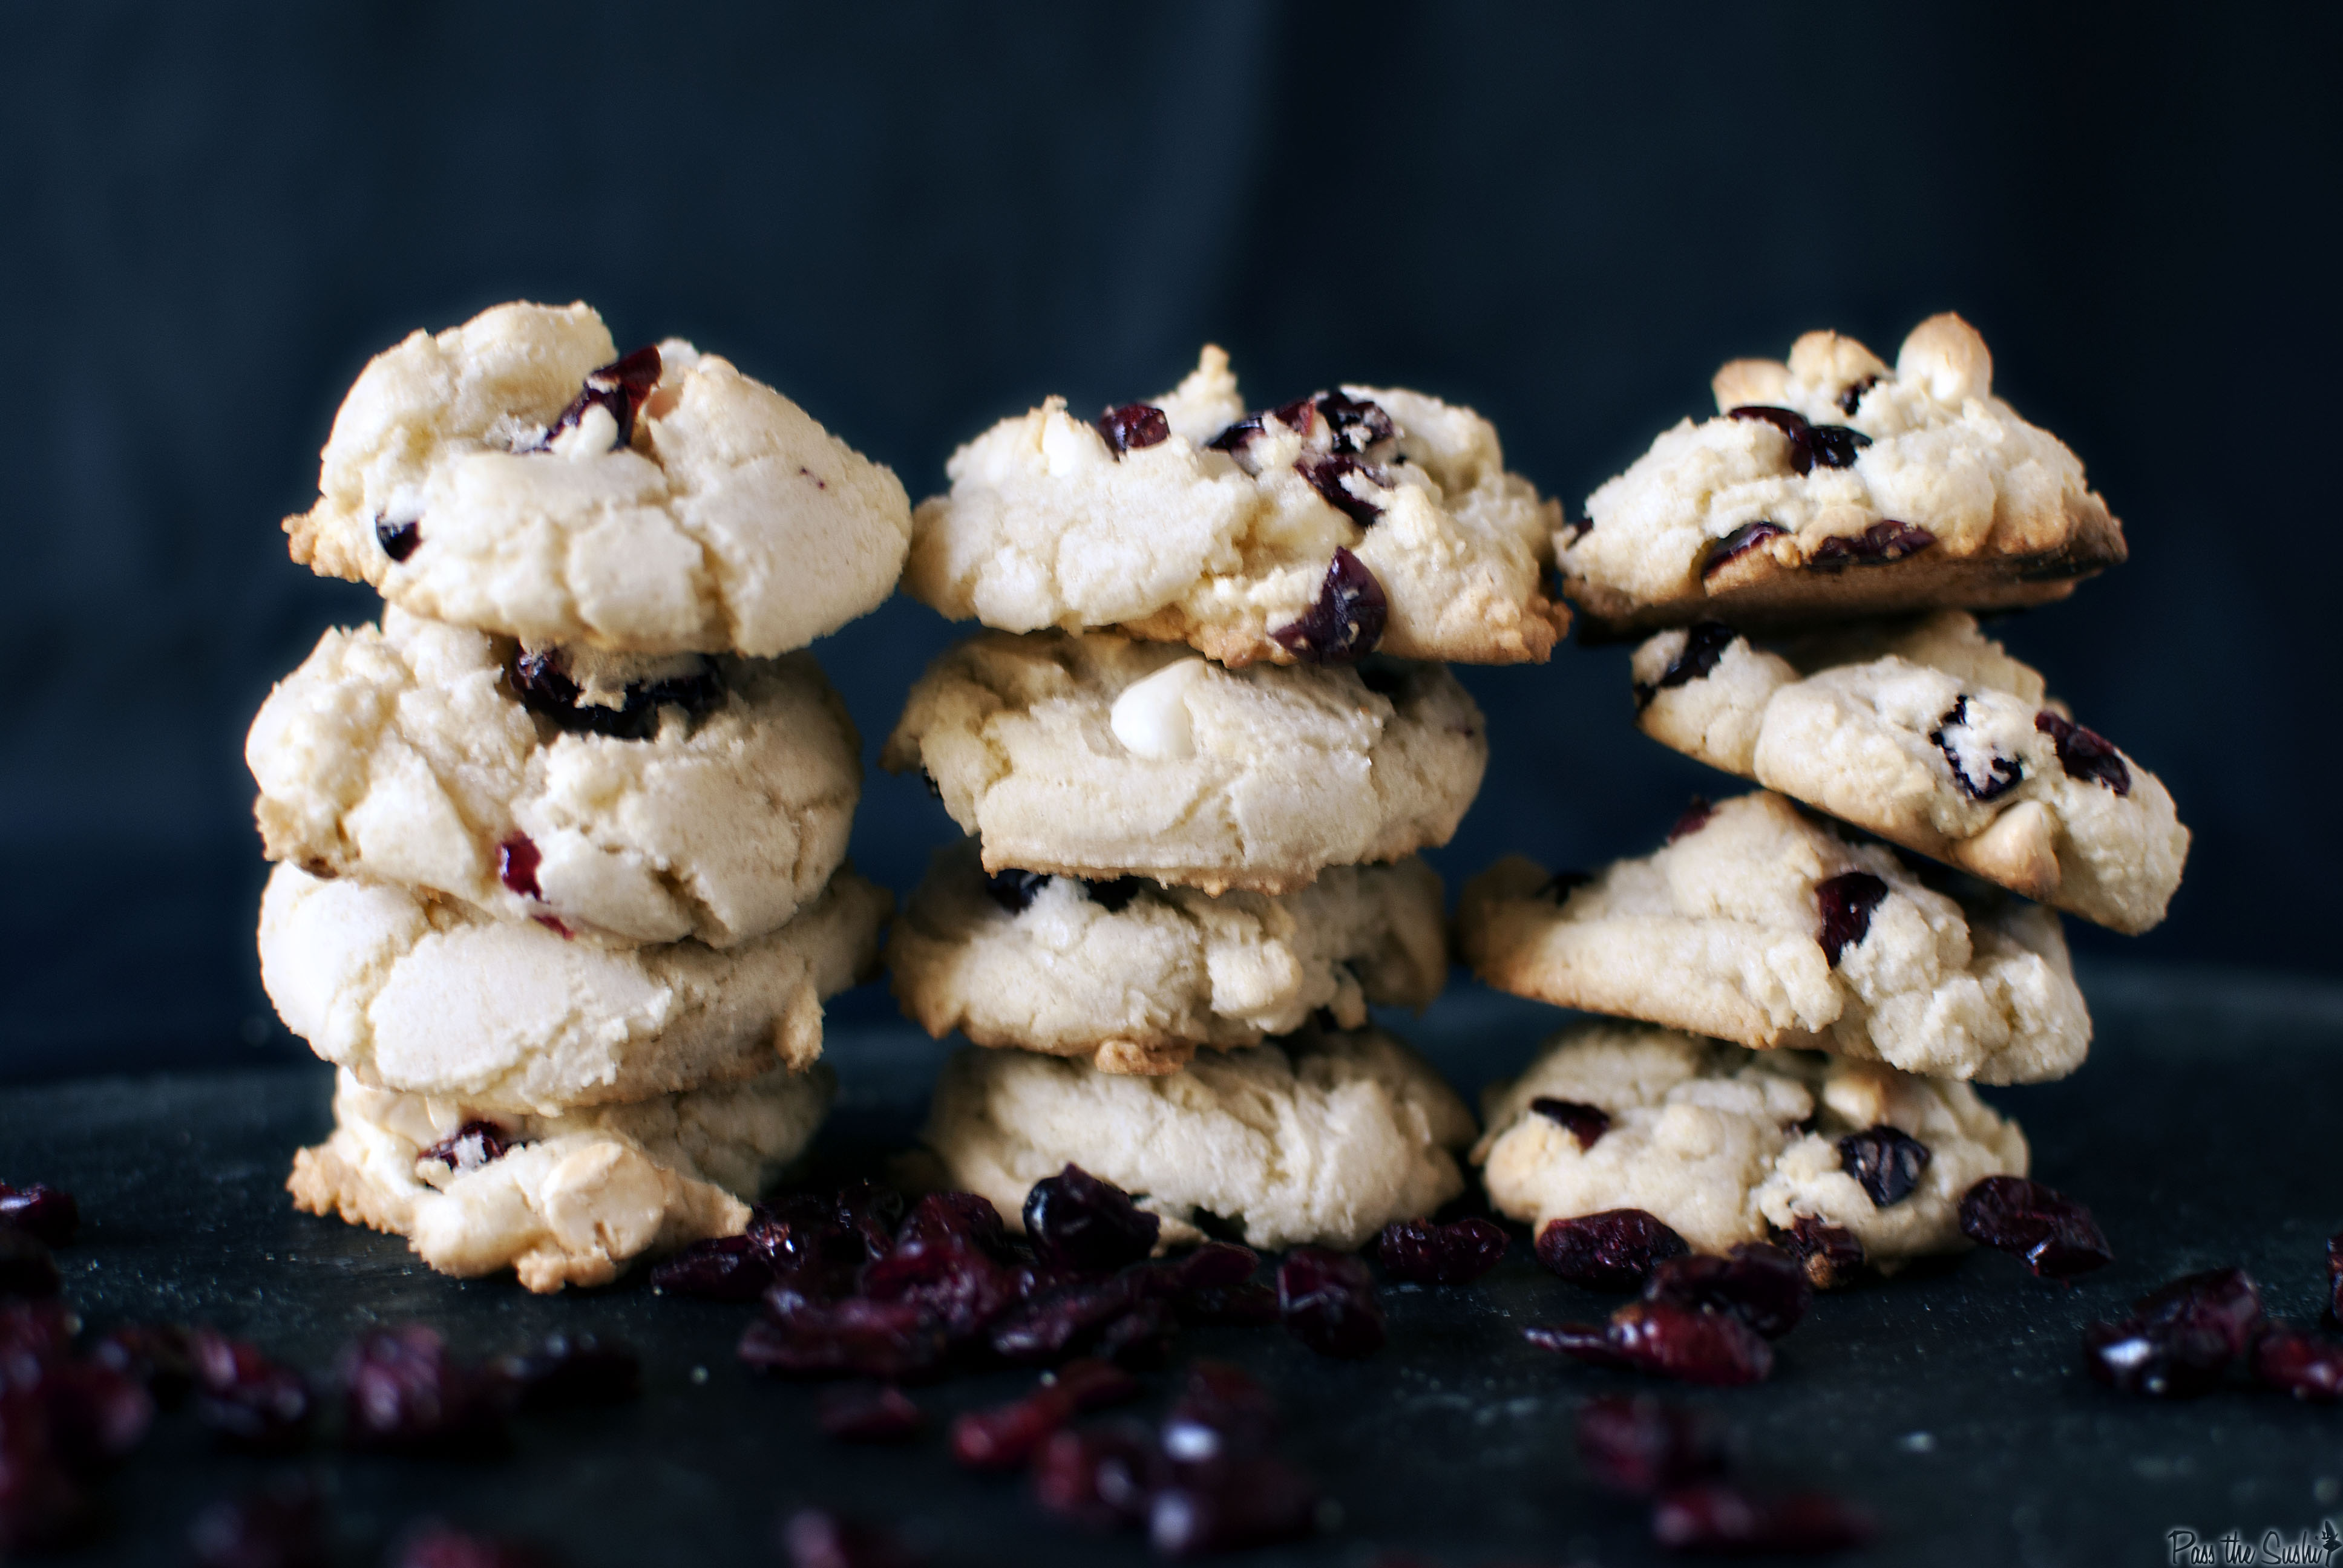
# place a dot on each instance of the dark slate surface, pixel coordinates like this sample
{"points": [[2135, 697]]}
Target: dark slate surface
{"points": [[1948, 1401]]}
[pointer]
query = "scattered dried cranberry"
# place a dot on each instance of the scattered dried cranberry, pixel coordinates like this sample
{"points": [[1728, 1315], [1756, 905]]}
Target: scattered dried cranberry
{"points": [[1695, 817], [33, 1334], [1345, 621], [1719, 1517], [1847, 901], [45, 1212], [572, 1368], [1141, 1337], [2335, 1278], [2225, 1303], [620, 387], [470, 1146], [1013, 890], [95, 1415], [1133, 425], [1239, 1306], [284, 1527], [2056, 1237], [1587, 1123], [1327, 1301], [1215, 1265], [401, 1389], [1704, 644], [1611, 1250], [1761, 1284], [517, 858], [1885, 1163], [865, 1414], [717, 1269], [25, 1267], [246, 1398], [1077, 1221], [1222, 1414], [817, 1538], [1992, 774], [2085, 753], [1739, 543], [1006, 1436], [541, 680], [1589, 1342], [891, 1341], [1224, 1509], [41, 1505], [1637, 1445], [1832, 1255], [955, 1285], [1098, 1479], [160, 1356], [2295, 1360], [1811, 445], [398, 539], [1689, 1344], [967, 1218], [2181, 1337], [1065, 1320], [1879, 545], [436, 1545], [1429, 1253]]}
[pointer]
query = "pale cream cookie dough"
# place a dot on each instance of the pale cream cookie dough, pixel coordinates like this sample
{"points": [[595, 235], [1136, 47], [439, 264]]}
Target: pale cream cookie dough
{"points": [[436, 757], [515, 475], [428, 996], [1835, 486], [564, 1199], [1099, 756], [1136, 978], [1757, 925], [1928, 734], [1725, 1145], [1320, 1139], [1188, 520]]}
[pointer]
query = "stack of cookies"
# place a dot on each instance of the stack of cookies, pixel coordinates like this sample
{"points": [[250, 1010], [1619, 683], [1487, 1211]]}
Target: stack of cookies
{"points": [[560, 841], [1823, 968], [1195, 759]]}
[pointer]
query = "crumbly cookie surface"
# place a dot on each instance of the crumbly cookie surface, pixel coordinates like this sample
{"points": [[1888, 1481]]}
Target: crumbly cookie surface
{"points": [[423, 754], [475, 476], [1833, 486], [1187, 521], [1135, 977], [1099, 756], [1722, 1143], [1322, 1138], [564, 1199], [1928, 734], [431, 998], [1760, 926]]}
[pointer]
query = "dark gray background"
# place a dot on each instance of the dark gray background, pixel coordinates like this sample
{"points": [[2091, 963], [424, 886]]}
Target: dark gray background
{"points": [[917, 219]]}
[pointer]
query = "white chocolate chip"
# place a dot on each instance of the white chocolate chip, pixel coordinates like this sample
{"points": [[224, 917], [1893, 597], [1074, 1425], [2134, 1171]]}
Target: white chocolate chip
{"points": [[1151, 718]]}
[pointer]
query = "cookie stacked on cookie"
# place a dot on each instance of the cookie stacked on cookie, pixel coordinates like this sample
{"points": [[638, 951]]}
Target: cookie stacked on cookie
{"points": [[561, 840], [1195, 759], [1823, 968]]}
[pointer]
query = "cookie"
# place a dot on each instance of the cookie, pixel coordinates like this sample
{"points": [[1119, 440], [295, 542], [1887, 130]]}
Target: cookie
{"points": [[1727, 1145], [624, 799], [1190, 520], [1099, 756], [1833, 486], [1758, 925], [515, 475], [431, 998], [564, 1199], [1929, 735], [1321, 1138], [1136, 976]]}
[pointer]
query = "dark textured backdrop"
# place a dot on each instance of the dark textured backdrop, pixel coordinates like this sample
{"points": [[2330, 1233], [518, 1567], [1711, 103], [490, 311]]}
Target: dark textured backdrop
{"points": [[916, 220]]}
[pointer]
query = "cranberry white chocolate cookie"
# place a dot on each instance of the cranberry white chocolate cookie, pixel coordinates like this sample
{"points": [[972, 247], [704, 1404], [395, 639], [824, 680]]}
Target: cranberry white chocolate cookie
{"points": [[1835, 486], [1315, 531], [430, 997], [1101, 756], [1322, 1139], [519, 476], [1725, 1145], [564, 1199], [1928, 734], [1757, 925], [1136, 976]]}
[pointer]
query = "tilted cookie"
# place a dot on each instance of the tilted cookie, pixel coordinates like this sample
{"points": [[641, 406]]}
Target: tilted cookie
{"points": [[1757, 925], [430, 997], [622, 798], [1321, 1138], [1315, 531], [1099, 756], [1136, 976], [1928, 734], [566, 1198], [1832, 487], [1727, 1145], [514, 474]]}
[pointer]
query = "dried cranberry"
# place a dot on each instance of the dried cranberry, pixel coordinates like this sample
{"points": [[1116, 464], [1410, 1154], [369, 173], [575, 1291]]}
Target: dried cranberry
{"points": [[1214, 1265], [1847, 901], [717, 1269], [1832, 1255], [1221, 1508], [1100, 1478], [1222, 1414], [1826, 446], [25, 1267], [620, 387], [47, 1212], [2293, 1360], [1739, 543], [2180, 1337], [1885, 1163], [1326, 475], [2225, 1303], [1133, 425], [1637, 1445], [1006, 1436], [1327, 1301], [1720, 1517], [1704, 644], [968, 1218], [401, 1389], [541, 680], [1589, 1342], [891, 1341], [959, 1288], [863, 1413], [1355, 424], [160, 1356], [1077, 1221], [1695, 817], [40, 1505], [1431, 1253], [1345, 621], [248, 1399], [284, 1527], [1761, 1284], [1689, 1344], [1850, 397], [1114, 896], [33, 1334], [817, 1538], [2335, 1278], [97, 1416], [470, 1146], [2000, 774], [1013, 890], [1142, 1337], [517, 858], [567, 1369], [1239, 1306], [2085, 753], [436, 1545], [1611, 1250], [398, 539], [1064, 1320], [1882, 544], [2056, 1237]]}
